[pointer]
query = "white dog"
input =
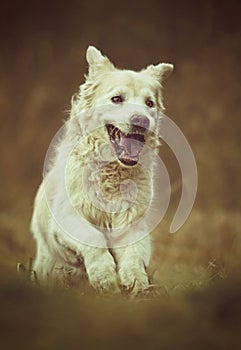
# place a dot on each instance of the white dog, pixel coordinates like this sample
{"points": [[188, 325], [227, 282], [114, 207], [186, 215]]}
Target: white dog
{"points": [[113, 123]]}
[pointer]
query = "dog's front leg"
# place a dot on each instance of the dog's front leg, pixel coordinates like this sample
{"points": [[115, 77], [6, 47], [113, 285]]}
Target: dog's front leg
{"points": [[100, 267], [132, 262], [99, 263]]}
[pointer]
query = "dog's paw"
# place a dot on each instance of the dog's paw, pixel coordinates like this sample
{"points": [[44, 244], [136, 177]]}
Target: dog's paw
{"points": [[103, 280], [103, 277], [133, 281]]}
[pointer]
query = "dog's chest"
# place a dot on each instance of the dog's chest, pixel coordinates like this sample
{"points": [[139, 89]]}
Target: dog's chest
{"points": [[112, 194]]}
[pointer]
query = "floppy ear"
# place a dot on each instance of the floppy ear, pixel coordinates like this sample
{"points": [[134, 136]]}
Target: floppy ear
{"points": [[160, 71], [97, 62]]}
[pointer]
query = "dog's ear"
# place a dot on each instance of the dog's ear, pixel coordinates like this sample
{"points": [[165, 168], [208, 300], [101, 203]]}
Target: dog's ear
{"points": [[97, 62], [160, 71]]}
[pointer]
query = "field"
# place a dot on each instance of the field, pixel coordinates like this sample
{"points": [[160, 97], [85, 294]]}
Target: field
{"points": [[196, 271]]}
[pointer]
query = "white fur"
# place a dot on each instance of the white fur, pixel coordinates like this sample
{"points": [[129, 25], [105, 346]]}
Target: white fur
{"points": [[56, 251]]}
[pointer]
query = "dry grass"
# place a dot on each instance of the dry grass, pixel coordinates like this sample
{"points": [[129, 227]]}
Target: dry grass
{"points": [[209, 318], [196, 272]]}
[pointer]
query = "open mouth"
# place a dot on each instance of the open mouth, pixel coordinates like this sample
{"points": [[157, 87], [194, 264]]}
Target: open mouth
{"points": [[127, 146]]}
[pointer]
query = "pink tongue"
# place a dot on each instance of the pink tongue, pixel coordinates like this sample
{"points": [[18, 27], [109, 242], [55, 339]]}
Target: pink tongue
{"points": [[131, 146]]}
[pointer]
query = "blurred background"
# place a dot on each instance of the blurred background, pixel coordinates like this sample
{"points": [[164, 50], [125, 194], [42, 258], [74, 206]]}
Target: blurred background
{"points": [[42, 62]]}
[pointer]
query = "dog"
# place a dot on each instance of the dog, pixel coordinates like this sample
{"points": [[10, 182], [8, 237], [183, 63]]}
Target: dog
{"points": [[91, 220]]}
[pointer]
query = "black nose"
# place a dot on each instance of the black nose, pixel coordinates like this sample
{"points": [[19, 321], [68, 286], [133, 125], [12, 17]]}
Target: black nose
{"points": [[140, 120]]}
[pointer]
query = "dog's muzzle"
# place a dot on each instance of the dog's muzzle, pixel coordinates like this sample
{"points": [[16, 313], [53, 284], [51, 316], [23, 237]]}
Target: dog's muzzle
{"points": [[128, 145]]}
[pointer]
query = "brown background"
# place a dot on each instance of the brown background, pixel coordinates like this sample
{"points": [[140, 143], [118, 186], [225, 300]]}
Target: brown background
{"points": [[42, 62]]}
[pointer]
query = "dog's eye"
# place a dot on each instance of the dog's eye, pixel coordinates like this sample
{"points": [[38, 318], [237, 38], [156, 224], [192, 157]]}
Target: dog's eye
{"points": [[149, 103], [117, 99]]}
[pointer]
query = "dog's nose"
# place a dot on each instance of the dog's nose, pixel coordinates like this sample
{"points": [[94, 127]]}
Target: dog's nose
{"points": [[140, 120]]}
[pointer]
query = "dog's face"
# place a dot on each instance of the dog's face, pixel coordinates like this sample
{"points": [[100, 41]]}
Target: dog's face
{"points": [[127, 103]]}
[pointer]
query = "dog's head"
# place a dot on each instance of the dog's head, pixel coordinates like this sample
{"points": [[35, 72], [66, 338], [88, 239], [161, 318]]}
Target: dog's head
{"points": [[126, 103]]}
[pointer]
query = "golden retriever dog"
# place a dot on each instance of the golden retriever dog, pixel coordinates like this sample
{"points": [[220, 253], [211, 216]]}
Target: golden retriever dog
{"points": [[89, 212]]}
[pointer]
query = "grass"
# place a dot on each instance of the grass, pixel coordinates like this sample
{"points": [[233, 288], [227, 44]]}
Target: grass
{"points": [[209, 318]]}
